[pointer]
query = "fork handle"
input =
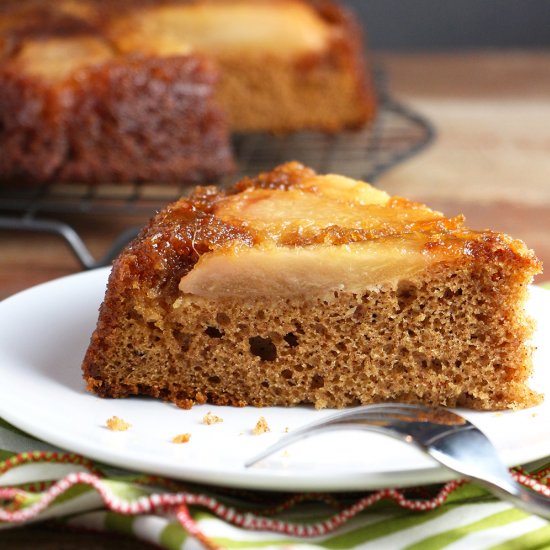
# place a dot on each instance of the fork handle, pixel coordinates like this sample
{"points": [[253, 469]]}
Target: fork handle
{"points": [[519, 496]]}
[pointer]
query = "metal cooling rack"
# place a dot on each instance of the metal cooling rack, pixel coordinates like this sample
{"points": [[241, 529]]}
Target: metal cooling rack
{"points": [[397, 134]]}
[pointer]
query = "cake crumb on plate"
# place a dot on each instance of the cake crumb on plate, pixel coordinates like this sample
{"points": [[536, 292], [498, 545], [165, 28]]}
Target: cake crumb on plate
{"points": [[181, 438], [261, 427], [117, 424], [210, 419]]}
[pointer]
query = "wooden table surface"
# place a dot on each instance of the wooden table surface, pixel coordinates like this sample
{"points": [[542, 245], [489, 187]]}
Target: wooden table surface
{"points": [[490, 161]]}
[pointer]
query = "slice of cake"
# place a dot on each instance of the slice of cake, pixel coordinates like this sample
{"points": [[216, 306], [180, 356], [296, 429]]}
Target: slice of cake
{"points": [[299, 288]]}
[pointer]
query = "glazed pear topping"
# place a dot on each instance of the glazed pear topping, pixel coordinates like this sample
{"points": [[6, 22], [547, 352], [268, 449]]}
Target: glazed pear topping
{"points": [[56, 58], [285, 27], [325, 234]]}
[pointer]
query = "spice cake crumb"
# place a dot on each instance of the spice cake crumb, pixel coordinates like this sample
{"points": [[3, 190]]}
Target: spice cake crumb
{"points": [[210, 419], [261, 427], [117, 424], [181, 438]]}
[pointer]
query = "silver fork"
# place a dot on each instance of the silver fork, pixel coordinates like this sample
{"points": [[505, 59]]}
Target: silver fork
{"points": [[444, 435]]}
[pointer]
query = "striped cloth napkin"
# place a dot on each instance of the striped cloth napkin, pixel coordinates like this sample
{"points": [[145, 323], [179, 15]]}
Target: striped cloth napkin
{"points": [[39, 482]]}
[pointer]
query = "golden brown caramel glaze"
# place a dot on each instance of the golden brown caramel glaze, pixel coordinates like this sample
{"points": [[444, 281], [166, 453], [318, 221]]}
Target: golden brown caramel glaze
{"points": [[484, 247], [47, 143], [284, 177], [171, 244], [188, 140], [336, 235], [178, 236], [162, 124]]}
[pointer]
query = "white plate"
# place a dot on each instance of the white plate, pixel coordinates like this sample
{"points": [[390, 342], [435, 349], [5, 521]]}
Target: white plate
{"points": [[44, 334]]}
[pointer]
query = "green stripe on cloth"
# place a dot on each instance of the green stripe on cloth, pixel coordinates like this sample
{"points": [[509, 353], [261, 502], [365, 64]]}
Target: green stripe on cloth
{"points": [[266, 542], [545, 285], [120, 523], [469, 493], [349, 539], [383, 528], [264, 537], [443, 539], [125, 491], [4, 455], [535, 540], [173, 536], [201, 515], [72, 493]]}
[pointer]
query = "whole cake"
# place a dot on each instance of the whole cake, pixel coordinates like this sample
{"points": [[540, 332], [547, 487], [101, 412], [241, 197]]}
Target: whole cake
{"points": [[294, 287], [97, 91]]}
